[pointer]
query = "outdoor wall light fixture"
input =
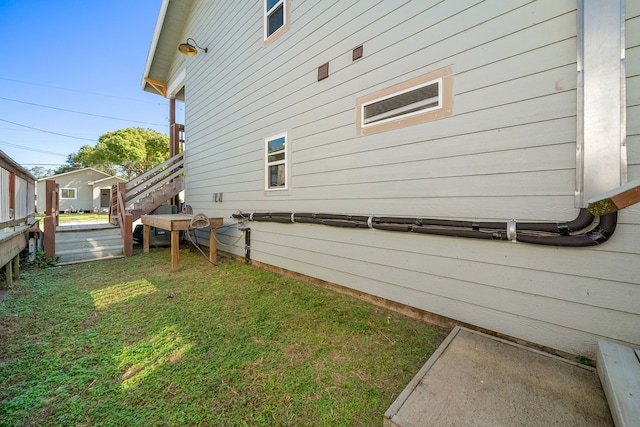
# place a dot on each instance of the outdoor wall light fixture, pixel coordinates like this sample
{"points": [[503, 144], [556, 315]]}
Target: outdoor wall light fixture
{"points": [[190, 49]]}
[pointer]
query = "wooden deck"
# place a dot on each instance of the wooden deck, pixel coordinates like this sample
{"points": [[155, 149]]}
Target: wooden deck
{"points": [[12, 241]]}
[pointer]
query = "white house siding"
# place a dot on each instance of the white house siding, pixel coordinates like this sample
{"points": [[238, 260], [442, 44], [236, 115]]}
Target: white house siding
{"points": [[21, 198], [507, 151], [5, 212]]}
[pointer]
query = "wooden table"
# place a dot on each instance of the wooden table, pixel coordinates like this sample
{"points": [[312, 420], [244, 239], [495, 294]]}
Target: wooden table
{"points": [[176, 223]]}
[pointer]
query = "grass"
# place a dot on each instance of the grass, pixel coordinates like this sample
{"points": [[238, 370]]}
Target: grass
{"points": [[126, 342], [78, 217]]}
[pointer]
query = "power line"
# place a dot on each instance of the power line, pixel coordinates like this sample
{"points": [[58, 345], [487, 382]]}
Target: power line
{"points": [[43, 164], [79, 91], [8, 144], [81, 112], [48, 131]]}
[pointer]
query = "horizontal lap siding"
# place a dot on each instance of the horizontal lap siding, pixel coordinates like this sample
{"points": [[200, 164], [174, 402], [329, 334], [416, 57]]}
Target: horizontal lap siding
{"points": [[508, 151]]}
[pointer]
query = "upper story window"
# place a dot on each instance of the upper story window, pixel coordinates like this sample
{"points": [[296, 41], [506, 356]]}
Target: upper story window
{"points": [[276, 18], [276, 162], [424, 98], [68, 193]]}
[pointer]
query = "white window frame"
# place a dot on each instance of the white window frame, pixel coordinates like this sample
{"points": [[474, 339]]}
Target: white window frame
{"points": [[75, 193], [268, 164], [393, 113], [389, 121], [269, 12]]}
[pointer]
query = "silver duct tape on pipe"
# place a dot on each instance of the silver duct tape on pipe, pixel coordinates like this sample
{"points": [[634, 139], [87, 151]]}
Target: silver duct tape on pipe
{"points": [[511, 230]]}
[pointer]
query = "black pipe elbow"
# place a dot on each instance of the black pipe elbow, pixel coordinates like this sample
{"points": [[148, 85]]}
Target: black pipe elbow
{"points": [[600, 234]]}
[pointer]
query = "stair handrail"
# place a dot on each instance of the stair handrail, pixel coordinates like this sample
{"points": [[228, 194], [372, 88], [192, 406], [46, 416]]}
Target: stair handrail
{"points": [[159, 183], [176, 162], [141, 186]]}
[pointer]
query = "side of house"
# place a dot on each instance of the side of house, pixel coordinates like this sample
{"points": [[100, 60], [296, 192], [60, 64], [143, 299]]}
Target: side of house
{"points": [[77, 189], [299, 121], [101, 192]]}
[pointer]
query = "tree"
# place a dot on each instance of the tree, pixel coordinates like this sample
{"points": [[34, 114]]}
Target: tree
{"points": [[126, 152], [39, 172], [70, 166]]}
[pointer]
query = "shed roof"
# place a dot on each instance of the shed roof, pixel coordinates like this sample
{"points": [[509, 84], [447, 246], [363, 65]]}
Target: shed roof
{"points": [[106, 175], [98, 181]]}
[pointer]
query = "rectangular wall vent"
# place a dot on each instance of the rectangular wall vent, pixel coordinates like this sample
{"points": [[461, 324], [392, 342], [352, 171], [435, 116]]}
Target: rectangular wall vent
{"points": [[415, 100], [357, 53], [323, 71]]}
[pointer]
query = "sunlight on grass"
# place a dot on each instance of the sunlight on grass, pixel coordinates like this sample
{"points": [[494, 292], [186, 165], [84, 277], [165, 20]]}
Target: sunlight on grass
{"points": [[123, 343], [103, 298], [144, 357]]}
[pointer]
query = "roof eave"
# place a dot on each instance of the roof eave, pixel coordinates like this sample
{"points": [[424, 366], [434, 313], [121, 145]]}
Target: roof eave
{"points": [[154, 43]]}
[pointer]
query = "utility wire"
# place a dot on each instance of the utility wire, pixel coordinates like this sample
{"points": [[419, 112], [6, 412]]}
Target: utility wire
{"points": [[81, 112], [48, 131], [8, 144], [79, 91]]}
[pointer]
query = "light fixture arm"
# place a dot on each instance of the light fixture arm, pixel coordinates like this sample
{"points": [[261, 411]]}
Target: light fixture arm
{"points": [[196, 45]]}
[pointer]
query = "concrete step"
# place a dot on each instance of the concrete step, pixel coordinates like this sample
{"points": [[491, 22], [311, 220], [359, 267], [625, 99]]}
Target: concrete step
{"points": [[619, 372], [87, 242], [474, 379]]}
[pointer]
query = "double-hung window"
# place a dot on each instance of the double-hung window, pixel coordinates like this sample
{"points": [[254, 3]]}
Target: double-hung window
{"points": [[68, 193], [276, 18], [276, 162]]}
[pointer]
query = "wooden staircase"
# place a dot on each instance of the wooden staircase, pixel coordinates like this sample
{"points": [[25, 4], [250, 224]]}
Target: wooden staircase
{"points": [[143, 194], [131, 200]]}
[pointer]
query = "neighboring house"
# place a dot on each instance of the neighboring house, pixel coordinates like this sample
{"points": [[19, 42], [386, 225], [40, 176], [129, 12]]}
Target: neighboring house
{"points": [[85, 190], [469, 111]]}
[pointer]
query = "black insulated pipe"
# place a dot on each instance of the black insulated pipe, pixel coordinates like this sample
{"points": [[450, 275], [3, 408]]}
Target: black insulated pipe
{"points": [[600, 234], [576, 233]]}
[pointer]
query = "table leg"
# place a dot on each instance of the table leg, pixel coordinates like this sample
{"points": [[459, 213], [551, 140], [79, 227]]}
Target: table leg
{"points": [[213, 250], [175, 249], [145, 238]]}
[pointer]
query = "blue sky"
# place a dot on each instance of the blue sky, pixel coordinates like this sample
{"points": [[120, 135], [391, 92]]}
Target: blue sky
{"points": [[82, 57]]}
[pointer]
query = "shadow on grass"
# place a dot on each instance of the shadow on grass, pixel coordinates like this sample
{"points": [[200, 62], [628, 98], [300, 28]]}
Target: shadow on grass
{"points": [[126, 342]]}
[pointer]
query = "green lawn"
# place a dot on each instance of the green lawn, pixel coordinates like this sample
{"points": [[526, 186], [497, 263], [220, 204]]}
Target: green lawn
{"points": [[127, 343], [78, 217]]}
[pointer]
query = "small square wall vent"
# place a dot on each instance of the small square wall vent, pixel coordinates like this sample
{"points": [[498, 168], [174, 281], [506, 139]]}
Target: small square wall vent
{"points": [[323, 71], [357, 53]]}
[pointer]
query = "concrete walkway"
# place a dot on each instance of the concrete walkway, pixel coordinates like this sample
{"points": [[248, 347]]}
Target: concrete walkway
{"points": [[474, 379]]}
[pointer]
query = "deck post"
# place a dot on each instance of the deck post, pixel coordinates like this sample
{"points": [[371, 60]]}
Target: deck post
{"points": [[50, 219], [127, 238], [213, 249]]}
